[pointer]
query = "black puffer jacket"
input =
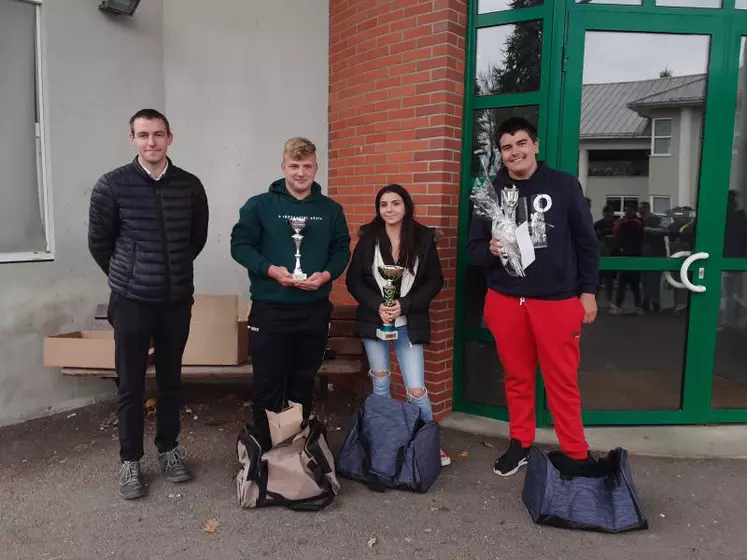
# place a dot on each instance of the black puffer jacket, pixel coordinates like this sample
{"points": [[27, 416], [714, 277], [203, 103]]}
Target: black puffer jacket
{"points": [[415, 305], [145, 234]]}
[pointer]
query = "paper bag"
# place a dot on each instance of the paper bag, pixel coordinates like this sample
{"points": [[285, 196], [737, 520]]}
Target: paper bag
{"points": [[286, 423]]}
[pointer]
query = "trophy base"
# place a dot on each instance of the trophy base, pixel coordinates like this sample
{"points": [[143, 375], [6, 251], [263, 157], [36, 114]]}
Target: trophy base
{"points": [[387, 334], [299, 276]]}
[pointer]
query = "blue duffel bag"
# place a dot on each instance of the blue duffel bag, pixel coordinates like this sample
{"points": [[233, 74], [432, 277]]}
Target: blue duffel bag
{"points": [[604, 499], [389, 445]]}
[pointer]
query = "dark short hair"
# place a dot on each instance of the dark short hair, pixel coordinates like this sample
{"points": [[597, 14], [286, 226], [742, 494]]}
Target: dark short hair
{"points": [[608, 210], [513, 125], [149, 114]]}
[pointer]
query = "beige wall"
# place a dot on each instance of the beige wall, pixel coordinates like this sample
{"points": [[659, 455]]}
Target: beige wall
{"points": [[98, 71], [236, 79]]}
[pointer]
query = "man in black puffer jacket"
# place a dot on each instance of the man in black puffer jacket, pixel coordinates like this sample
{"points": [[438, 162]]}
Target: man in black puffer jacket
{"points": [[148, 222]]}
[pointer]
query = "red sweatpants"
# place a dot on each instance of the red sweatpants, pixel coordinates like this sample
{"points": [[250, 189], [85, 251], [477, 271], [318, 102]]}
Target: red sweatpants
{"points": [[528, 329]]}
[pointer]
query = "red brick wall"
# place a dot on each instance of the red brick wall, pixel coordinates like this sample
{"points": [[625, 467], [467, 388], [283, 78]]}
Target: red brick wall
{"points": [[395, 116]]}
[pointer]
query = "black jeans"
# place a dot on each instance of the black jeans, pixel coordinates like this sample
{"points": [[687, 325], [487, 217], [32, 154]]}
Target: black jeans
{"points": [[135, 324], [630, 278], [287, 345]]}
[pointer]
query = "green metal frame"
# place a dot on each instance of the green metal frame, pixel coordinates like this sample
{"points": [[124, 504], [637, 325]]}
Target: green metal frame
{"points": [[564, 28]]}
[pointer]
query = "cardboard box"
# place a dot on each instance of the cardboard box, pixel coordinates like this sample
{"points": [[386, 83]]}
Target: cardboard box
{"points": [[82, 349], [218, 333], [286, 423]]}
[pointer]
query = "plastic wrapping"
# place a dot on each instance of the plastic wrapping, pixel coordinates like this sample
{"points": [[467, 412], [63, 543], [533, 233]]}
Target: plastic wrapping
{"points": [[502, 214]]}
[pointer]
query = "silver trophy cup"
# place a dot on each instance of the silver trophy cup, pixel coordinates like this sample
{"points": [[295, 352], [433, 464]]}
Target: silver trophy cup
{"points": [[297, 224], [390, 273]]}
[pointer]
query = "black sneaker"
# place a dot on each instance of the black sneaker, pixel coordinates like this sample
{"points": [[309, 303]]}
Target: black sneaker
{"points": [[172, 465], [589, 467], [512, 460], [131, 484]]}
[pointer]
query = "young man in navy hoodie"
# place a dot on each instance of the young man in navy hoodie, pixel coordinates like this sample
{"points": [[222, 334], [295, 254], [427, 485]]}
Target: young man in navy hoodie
{"points": [[289, 319], [538, 316]]}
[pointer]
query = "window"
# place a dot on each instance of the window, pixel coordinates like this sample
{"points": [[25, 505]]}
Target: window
{"points": [[619, 203], [25, 214], [661, 137], [661, 205], [618, 163]]}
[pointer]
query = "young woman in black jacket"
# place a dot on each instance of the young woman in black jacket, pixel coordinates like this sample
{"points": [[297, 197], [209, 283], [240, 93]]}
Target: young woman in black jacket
{"points": [[394, 237]]}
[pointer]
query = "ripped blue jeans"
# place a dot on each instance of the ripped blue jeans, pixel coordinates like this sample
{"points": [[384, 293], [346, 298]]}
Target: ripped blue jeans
{"points": [[411, 362]]}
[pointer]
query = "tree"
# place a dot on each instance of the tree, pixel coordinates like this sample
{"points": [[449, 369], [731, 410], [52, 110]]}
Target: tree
{"points": [[666, 73], [519, 70]]}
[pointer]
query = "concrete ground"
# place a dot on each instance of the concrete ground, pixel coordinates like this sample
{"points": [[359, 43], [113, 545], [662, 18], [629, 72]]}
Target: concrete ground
{"points": [[58, 501]]}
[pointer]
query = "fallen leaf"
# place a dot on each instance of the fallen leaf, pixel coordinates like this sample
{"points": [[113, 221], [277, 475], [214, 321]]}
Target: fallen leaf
{"points": [[488, 445], [150, 406], [462, 456], [437, 509], [372, 541], [210, 526]]}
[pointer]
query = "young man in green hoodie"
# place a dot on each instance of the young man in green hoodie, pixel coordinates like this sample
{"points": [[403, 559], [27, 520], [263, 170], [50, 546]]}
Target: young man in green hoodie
{"points": [[289, 319]]}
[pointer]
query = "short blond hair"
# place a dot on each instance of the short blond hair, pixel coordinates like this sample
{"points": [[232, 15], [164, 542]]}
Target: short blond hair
{"points": [[299, 148]]}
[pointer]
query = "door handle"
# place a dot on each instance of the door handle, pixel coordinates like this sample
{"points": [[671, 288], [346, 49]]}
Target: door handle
{"points": [[684, 268], [668, 275]]}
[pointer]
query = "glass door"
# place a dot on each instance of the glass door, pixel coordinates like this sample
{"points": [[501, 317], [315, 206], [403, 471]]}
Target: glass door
{"points": [[648, 126]]}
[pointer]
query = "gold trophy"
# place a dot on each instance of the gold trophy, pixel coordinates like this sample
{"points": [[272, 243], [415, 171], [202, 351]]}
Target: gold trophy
{"points": [[297, 223], [390, 273]]}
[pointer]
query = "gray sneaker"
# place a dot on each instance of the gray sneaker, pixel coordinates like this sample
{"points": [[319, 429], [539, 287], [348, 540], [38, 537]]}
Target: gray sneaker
{"points": [[172, 465], [130, 480]]}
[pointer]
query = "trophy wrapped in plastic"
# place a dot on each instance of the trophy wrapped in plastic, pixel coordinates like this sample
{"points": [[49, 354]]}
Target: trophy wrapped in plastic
{"points": [[502, 215]]}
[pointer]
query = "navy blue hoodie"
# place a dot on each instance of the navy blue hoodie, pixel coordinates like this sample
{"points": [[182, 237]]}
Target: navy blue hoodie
{"points": [[569, 263]]}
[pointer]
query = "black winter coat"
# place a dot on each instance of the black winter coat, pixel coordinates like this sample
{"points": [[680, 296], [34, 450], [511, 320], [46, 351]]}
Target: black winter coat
{"points": [[415, 305], [145, 234]]}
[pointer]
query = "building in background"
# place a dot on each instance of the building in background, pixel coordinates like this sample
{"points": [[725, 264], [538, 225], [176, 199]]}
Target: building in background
{"points": [[642, 99]]}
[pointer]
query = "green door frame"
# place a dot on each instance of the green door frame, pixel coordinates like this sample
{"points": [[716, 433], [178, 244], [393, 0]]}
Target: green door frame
{"points": [[719, 25], [551, 58], [564, 28]]}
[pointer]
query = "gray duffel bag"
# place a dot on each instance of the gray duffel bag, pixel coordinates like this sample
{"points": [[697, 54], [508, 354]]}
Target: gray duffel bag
{"points": [[604, 499]]}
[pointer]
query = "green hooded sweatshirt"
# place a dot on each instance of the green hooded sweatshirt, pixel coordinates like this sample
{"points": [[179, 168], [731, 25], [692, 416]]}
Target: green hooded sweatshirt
{"points": [[262, 237]]}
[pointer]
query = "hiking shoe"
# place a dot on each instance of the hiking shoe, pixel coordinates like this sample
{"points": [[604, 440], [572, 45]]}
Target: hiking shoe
{"points": [[172, 465], [131, 480], [512, 460], [445, 459]]}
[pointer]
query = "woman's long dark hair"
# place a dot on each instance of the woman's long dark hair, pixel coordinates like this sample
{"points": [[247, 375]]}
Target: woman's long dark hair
{"points": [[409, 240]]}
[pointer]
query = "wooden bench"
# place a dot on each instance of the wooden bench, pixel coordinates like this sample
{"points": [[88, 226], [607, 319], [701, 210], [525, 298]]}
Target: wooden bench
{"points": [[345, 357]]}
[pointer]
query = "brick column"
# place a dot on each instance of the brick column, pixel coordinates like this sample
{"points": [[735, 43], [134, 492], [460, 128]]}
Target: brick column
{"points": [[395, 116]]}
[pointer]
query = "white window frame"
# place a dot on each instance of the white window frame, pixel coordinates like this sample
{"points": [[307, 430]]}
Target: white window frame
{"points": [[43, 181], [622, 198], [655, 137], [651, 202]]}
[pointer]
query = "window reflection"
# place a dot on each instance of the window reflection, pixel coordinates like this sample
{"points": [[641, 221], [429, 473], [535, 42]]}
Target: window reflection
{"points": [[690, 3], [615, 2], [641, 136], [508, 58], [730, 366], [487, 6], [735, 236]]}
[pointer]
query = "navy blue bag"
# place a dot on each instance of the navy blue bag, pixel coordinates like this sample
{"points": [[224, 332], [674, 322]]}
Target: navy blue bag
{"points": [[605, 500], [389, 445]]}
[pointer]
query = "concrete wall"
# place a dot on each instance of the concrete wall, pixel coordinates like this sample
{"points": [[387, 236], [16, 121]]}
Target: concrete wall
{"points": [[236, 79], [242, 76], [98, 72]]}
